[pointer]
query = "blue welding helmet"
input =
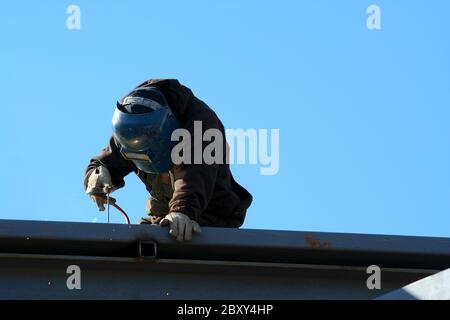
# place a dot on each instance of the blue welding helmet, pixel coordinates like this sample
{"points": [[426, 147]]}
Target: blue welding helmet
{"points": [[142, 125]]}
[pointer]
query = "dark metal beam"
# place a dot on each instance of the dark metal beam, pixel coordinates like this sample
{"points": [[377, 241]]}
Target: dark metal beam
{"points": [[44, 277], [141, 261], [84, 239]]}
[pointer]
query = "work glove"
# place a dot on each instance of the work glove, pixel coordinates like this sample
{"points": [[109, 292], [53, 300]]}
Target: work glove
{"points": [[99, 185], [181, 226]]}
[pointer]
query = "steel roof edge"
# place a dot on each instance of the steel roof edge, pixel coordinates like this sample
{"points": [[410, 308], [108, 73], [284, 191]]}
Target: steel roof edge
{"points": [[113, 240]]}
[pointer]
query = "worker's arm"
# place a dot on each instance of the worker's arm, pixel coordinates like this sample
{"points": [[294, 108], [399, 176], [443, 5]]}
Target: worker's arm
{"points": [[194, 183], [105, 173]]}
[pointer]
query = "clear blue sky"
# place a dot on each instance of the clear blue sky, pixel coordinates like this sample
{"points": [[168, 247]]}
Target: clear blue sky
{"points": [[363, 115]]}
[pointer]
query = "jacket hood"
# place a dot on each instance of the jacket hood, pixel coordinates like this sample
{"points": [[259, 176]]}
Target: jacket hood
{"points": [[178, 96]]}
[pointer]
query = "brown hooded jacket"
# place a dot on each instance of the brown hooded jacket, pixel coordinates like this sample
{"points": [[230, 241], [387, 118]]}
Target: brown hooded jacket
{"points": [[206, 193]]}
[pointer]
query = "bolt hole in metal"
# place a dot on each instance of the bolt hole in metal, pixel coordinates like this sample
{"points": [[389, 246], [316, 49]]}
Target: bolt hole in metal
{"points": [[147, 250]]}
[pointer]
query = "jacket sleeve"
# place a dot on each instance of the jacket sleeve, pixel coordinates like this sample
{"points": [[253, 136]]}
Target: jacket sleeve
{"points": [[194, 183], [112, 159]]}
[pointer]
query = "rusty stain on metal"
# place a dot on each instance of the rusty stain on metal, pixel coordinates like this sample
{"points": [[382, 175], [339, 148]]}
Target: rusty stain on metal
{"points": [[317, 244]]}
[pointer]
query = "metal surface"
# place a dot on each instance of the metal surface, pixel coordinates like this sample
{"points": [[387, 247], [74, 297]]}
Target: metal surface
{"points": [[114, 240], [44, 278], [143, 261], [435, 287]]}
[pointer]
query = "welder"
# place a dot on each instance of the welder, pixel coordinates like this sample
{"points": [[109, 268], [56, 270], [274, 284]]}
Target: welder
{"points": [[185, 195]]}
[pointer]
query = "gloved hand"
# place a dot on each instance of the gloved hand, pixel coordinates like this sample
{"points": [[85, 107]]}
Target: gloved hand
{"points": [[101, 200], [181, 226], [99, 185]]}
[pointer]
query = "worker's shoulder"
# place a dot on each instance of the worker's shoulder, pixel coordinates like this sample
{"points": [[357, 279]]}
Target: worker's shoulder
{"points": [[198, 110]]}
